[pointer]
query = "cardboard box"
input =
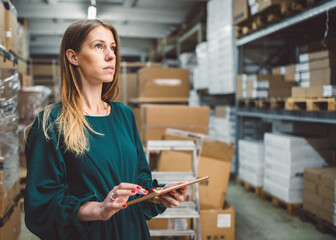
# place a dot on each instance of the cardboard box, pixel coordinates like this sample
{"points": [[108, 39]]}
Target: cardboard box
{"points": [[319, 55], [25, 80], [11, 27], [314, 91], [218, 223], [325, 76], [290, 73], [163, 82], [280, 88], [241, 11], [7, 199], [175, 161], [171, 223], [322, 64], [43, 69], [156, 118], [328, 177], [239, 91], [310, 206], [312, 174], [313, 198], [309, 186], [215, 161], [325, 214], [2, 23], [220, 111], [267, 3], [326, 193], [12, 225]]}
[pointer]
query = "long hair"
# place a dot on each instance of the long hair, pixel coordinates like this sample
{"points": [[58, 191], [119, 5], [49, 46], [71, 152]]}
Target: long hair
{"points": [[71, 120]]}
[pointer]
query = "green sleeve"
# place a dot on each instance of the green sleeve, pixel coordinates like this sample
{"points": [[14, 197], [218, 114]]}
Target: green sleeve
{"points": [[149, 209], [50, 211]]}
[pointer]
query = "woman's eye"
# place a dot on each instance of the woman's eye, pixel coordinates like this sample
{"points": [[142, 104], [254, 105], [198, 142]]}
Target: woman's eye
{"points": [[114, 48], [99, 46]]}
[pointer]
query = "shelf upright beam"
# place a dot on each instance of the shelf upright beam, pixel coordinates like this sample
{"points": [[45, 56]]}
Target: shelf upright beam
{"points": [[305, 15]]}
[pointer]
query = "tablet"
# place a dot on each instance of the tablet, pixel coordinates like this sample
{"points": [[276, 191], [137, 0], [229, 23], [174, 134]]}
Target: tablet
{"points": [[166, 190]]}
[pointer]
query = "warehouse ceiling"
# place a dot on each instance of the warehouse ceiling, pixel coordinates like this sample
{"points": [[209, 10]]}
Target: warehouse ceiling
{"points": [[139, 22]]}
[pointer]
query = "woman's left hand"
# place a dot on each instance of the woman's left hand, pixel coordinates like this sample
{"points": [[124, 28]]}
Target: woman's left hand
{"points": [[173, 198]]}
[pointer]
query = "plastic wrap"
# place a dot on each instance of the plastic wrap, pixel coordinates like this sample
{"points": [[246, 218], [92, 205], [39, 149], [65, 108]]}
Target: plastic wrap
{"points": [[9, 87]]}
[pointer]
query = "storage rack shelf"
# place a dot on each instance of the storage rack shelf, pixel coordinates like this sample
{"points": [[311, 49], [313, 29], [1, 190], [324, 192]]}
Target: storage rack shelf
{"points": [[321, 117], [324, 117], [301, 17]]}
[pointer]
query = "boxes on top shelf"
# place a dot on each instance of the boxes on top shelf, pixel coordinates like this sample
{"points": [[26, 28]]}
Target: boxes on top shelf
{"points": [[156, 118], [2, 23], [314, 91], [241, 11], [163, 82], [11, 27]]}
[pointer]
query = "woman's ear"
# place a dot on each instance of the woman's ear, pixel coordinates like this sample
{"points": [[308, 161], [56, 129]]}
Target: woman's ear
{"points": [[72, 57]]}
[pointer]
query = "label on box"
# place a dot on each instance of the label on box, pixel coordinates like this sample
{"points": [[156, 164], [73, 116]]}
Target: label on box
{"points": [[181, 224], [223, 220]]}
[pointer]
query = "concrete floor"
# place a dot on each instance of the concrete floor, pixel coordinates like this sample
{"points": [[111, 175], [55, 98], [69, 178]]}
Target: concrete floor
{"points": [[256, 219]]}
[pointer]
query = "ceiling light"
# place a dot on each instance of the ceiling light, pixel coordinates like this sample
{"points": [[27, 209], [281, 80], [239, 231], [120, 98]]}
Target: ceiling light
{"points": [[92, 12]]}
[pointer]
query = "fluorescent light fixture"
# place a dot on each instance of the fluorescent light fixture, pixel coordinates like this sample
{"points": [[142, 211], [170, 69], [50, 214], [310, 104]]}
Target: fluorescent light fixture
{"points": [[92, 12]]}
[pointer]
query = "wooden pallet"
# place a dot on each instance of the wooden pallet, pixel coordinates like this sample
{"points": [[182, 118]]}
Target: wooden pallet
{"points": [[311, 104], [272, 14], [271, 103], [23, 175], [248, 102], [21, 204], [320, 224], [249, 187], [291, 208]]}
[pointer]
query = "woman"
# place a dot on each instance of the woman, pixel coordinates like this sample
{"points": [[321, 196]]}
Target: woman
{"points": [[84, 155]]}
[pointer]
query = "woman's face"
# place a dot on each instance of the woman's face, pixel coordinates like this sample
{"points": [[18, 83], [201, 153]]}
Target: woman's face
{"points": [[97, 58]]}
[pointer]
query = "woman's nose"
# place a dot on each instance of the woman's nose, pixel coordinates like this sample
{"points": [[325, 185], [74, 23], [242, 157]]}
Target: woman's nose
{"points": [[109, 55]]}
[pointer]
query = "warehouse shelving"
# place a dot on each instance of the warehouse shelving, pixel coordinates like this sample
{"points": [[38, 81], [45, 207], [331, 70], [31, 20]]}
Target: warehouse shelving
{"points": [[258, 38], [304, 16]]}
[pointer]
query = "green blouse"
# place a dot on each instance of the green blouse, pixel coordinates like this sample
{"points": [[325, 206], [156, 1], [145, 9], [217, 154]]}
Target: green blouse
{"points": [[58, 182]]}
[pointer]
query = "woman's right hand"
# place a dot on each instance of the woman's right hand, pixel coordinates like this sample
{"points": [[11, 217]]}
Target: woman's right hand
{"points": [[117, 199]]}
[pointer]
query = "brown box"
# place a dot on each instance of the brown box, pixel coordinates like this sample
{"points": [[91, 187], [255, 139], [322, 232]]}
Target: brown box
{"points": [[163, 82], [2, 23], [326, 193], [22, 67], [267, 3], [328, 177], [22, 38], [313, 198], [11, 27], [175, 161], [325, 214], [7, 199], [312, 174], [318, 55], [241, 11], [309, 186], [12, 225], [156, 118], [322, 64], [290, 73], [43, 69], [172, 223], [315, 91], [215, 161], [239, 90], [325, 76], [220, 111], [25, 80], [218, 223], [280, 88], [310, 206]]}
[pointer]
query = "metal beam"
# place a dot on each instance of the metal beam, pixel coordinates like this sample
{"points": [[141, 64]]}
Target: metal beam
{"points": [[109, 12], [135, 30]]}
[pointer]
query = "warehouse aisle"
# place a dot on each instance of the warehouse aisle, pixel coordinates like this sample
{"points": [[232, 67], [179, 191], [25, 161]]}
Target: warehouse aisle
{"points": [[257, 219]]}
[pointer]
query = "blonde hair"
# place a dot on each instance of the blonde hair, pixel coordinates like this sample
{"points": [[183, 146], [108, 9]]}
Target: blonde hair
{"points": [[71, 120]]}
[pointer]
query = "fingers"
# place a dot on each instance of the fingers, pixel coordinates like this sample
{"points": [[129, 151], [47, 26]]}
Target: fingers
{"points": [[172, 199]]}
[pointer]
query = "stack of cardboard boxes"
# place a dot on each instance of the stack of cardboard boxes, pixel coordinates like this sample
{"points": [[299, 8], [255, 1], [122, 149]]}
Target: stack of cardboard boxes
{"points": [[217, 216], [263, 86], [13, 37], [316, 68], [251, 162], [319, 193], [47, 73], [286, 157], [9, 156]]}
